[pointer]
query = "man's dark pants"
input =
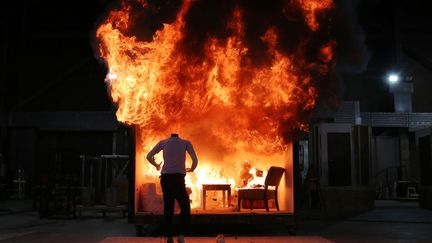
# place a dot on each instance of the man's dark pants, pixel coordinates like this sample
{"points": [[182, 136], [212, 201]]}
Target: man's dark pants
{"points": [[174, 188]]}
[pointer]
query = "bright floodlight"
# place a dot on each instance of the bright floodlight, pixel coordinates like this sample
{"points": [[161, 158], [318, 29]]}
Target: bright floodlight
{"points": [[393, 78]]}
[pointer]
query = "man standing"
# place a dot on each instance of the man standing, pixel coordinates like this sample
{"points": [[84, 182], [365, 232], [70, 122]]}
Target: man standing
{"points": [[173, 181]]}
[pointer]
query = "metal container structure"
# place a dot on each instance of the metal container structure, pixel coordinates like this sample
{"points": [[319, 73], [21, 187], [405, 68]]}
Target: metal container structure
{"points": [[217, 204]]}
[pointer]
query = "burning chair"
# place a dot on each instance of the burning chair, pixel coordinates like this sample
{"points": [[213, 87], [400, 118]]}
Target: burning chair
{"points": [[272, 179]]}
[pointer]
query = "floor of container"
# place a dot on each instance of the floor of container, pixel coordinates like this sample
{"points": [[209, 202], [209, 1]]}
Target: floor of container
{"points": [[221, 212], [147, 222]]}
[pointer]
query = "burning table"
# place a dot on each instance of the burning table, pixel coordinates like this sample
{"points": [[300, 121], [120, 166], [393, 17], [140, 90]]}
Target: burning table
{"points": [[225, 188]]}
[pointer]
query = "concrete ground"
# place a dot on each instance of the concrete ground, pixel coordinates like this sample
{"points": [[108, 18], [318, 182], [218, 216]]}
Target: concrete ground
{"points": [[390, 221]]}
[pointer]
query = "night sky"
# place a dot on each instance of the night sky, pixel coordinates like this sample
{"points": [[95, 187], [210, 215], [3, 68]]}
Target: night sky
{"points": [[48, 64]]}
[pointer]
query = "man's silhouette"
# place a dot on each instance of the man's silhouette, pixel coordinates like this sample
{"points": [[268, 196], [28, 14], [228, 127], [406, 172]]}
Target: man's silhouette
{"points": [[173, 180]]}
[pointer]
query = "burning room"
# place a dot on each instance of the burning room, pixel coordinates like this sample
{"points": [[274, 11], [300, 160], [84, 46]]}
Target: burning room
{"points": [[239, 84]]}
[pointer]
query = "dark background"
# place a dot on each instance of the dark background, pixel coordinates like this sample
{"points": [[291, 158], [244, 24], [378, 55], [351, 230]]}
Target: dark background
{"points": [[48, 61]]}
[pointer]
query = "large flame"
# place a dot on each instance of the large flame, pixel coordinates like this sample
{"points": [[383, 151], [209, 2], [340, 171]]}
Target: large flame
{"points": [[229, 104]]}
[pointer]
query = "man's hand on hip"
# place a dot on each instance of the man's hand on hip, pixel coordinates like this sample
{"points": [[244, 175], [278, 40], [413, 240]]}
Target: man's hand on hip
{"points": [[158, 166]]}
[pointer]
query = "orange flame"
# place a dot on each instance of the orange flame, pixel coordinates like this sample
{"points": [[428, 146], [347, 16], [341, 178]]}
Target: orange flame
{"points": [[225, 103], [311, 8]]}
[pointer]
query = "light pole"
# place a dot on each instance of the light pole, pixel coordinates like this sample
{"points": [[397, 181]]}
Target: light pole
{"points": [[402, 88]]}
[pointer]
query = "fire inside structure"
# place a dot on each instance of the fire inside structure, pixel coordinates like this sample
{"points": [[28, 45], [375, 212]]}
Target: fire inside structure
{"points": [[237, 78]]}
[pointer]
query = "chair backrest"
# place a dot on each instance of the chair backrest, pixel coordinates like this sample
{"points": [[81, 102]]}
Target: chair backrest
{"points": [[274, 176]]}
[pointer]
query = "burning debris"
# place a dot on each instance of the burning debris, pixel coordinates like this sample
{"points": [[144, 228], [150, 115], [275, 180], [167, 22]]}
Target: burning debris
{"points": [[239, 78]]}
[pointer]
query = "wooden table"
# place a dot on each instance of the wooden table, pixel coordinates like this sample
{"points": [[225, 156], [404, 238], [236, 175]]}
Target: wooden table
{"points": [[217, 187]]}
